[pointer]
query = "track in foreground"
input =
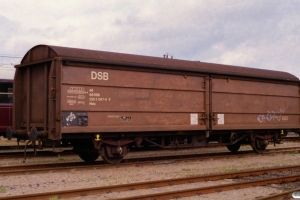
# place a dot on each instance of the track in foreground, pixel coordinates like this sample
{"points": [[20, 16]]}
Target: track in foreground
{"points": [[283, 195], [174, 194], [7, 153]]}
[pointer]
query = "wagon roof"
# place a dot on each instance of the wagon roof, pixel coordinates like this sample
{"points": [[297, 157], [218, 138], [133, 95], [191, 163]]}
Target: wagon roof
{"points": [[6, 80], [45, 52]]}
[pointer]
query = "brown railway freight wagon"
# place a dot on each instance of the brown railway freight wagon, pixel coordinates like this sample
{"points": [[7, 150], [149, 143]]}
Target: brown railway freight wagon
{"points": [[103, 102]]}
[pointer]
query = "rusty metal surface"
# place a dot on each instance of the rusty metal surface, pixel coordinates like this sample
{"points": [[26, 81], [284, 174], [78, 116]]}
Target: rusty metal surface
{"points": [[243, 104], [137, 100], [64, 90]]}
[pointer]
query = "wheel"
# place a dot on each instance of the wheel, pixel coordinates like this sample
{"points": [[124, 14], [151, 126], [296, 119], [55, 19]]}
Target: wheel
{"points": [[111, 160], [234, 147], [259, 145], [89, 156]]}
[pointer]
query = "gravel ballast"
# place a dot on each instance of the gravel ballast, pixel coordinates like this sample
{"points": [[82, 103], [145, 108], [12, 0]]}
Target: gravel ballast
{"points": [[73, 179]]}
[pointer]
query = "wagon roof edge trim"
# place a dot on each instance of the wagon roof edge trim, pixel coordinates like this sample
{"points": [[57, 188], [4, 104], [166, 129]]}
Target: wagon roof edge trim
{"points": [[42, 53]]}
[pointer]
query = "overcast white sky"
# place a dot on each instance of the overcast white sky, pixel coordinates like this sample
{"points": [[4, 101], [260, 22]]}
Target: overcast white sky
{"points": [[258, 34]]}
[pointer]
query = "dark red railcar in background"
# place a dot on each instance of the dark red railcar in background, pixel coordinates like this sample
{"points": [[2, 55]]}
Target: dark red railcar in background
{"points": [[6, 93]]}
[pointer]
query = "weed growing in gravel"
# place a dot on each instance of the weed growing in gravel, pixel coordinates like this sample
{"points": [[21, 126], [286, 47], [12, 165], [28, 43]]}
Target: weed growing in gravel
{"points": [[246, 147], [2, 190], [89, 180], [54, 198], [291, 152], [60, 158], [5, 142], [230, 169]]}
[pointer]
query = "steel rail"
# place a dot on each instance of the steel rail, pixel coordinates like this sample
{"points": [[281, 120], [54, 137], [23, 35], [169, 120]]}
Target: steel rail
{"points": [[42, 168], [280, 196], [18, 153], [12, 154], [212, 189], [168, 182], [21, 148]]}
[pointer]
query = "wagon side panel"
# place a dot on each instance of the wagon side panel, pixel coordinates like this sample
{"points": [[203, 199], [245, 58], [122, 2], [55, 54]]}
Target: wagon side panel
{"points": [[30, 97], [125, 100], [249, 104]]}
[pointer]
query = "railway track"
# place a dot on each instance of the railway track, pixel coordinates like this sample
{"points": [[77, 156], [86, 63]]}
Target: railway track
{"points": [[55, 167], [14, 152], [284, 195], [179, 181], [46, 152], [21, 148], [212, 189]]}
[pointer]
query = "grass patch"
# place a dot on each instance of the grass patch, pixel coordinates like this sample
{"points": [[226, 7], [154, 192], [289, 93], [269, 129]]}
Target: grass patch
{"points": [[5, 142], [291, 152], [54, 198], [2, 190], [61, 159], [230, 169], [246, 147], [186, 169]]}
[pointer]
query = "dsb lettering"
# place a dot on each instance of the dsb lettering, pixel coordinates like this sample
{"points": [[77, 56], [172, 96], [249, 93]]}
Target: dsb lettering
{"points": [[99, 75]]}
